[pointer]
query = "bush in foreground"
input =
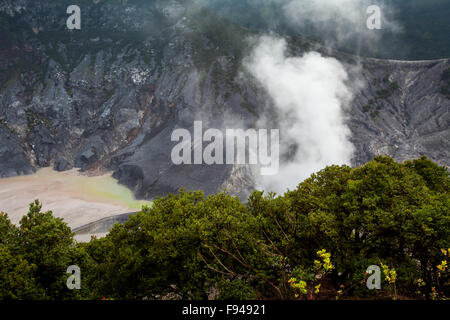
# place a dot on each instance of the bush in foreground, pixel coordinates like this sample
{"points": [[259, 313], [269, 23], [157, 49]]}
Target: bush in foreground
{"points": [[314, 242]]}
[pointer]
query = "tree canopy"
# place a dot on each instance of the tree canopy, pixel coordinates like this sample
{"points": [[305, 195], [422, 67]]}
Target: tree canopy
{"points": [[314, 242]]}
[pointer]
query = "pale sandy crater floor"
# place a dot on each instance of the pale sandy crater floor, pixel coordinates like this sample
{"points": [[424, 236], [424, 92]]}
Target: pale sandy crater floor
{"points": [[77, 198]]}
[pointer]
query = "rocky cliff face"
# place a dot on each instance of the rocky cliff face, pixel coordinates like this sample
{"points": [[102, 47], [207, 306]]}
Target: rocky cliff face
{"points": [[402, 111], [108, 96]]}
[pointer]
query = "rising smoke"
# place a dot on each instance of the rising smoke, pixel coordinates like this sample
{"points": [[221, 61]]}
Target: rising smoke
{"points": [[311, 93], [310, 96]]}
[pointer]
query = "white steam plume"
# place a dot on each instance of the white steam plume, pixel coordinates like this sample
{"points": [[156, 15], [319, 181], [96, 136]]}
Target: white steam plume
{"points": [[310, 95]]}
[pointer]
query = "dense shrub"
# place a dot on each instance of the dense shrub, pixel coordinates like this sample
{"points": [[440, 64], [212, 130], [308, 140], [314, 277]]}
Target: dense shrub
{"points": [[314, 242], [34, 257]]}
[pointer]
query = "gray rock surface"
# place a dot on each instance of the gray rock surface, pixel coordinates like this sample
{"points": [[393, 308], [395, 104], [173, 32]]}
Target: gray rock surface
{"points": [[103, 225], [109, 96], [13, 158]]}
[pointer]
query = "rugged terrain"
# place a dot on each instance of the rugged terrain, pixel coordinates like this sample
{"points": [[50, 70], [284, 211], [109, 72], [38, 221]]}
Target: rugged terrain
{"points": [[108, 96]]}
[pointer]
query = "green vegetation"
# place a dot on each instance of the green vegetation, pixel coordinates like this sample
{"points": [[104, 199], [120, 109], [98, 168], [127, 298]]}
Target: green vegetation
{"points": [[373, 106], [34, 257], [367, 107], [314, 242], [388, 91], [35, 119], [5, 124], [374, 114]]}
